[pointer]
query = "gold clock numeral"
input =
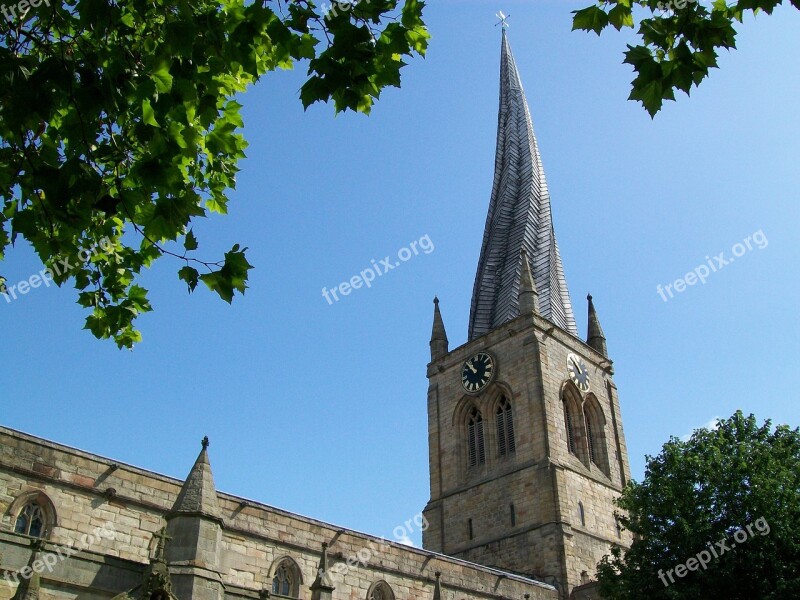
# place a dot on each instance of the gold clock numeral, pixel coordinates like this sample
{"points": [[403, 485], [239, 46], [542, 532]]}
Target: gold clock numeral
{"points": [[477, 371]]}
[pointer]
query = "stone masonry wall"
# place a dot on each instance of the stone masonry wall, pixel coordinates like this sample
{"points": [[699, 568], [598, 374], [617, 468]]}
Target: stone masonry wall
{"points": [[255, 537]]}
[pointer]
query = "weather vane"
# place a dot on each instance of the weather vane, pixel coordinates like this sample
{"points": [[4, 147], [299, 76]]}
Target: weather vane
{"points": [[503, 19]]}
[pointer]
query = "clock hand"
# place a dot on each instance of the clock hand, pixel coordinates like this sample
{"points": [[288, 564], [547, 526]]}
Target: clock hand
{"points": [[577, 366], [472, 368]]}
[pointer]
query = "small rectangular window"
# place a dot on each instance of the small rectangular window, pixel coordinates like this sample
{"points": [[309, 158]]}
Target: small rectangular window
{"points": [[469, 525], [513, 515]]}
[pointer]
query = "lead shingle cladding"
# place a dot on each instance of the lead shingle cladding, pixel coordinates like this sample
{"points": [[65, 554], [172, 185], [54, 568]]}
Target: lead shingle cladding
{"points": [[519, 215]]}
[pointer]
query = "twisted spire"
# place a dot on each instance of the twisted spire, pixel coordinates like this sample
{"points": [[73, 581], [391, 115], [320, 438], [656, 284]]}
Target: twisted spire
{"points": [[519, 217]]}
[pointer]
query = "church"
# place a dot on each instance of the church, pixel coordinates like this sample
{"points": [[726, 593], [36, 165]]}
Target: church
{"points": [[526, 452]]}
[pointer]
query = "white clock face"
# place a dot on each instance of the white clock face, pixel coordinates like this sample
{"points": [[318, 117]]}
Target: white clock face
{"points": [[578, 373]]}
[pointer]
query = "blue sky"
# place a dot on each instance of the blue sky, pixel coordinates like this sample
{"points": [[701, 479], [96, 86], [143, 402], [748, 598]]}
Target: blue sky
{"points": [[320, 409]]}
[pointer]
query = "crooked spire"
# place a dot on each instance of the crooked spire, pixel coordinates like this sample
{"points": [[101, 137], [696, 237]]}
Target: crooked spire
{"points": [[595, 336], [519, 217]]}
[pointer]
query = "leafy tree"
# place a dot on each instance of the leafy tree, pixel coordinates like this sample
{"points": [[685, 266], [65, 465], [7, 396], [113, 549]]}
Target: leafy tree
{"points": [[715, 517], [680, 41], [119, 125]]}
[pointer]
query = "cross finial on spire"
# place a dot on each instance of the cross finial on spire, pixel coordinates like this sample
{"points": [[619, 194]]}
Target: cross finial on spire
{"points": [[162, 538], [205, 443], [503, 19]]}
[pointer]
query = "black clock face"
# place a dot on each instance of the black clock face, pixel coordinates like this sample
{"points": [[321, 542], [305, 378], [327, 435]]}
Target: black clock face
{"points": [[578, 372], [477, 372]]}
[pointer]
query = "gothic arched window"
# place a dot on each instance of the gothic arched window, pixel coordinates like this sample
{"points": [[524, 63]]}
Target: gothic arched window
{"points": [[31, 521], [286, 581], [476, 446], [380, 591], [282, 582], [595, 434], [505, 428], [377, 593]]}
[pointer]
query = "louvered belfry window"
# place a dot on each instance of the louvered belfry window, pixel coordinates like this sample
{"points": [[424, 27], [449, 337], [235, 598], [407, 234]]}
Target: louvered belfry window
{"points": [[476, 446], [590, 440], [505, 428], [570, 430]]}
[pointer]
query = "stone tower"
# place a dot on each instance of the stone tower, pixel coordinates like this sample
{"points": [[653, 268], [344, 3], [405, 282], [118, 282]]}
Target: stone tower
{"points": [[527, 451]]}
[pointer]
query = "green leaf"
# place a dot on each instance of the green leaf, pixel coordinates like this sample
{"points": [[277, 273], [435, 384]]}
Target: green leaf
{"points": [[190, 241], [232, 277], [148, 114], [190, 276], [162, 78], [650, 95], [592, 18], [621, 16]]}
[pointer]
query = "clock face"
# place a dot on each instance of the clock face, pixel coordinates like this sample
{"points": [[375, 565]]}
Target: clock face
{"points": [[477, 372], [578, 372]]}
